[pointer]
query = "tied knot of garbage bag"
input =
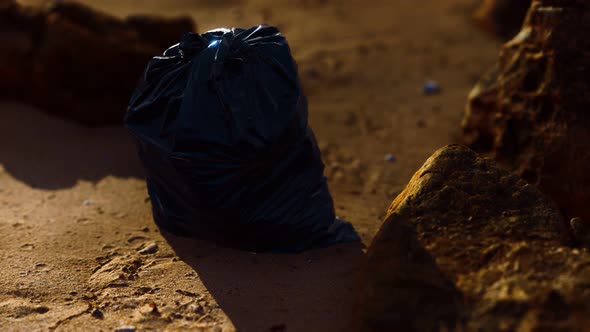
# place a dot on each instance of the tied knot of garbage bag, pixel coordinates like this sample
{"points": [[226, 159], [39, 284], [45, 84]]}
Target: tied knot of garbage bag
{"points": [[221, 125], [191, 44]]}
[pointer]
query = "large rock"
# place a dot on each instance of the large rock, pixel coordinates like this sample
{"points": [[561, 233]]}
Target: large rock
{"points": [[531, 109], [502, 18], [463, 225], [405, 289], [76, 62]]}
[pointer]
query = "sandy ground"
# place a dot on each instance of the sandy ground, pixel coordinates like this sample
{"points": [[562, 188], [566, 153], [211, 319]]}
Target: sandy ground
{"points": [[74, 211]]}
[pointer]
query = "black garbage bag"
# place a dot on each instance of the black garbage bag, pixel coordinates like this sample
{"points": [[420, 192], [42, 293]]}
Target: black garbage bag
{"points": [[221, 127]]}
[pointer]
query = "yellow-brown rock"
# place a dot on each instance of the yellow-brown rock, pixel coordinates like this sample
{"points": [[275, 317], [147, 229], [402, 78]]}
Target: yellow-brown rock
{"points": [[531, 110], [468, 246]]}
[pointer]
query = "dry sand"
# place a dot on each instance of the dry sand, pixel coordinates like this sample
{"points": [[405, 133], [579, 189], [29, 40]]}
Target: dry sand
{"points": [[74, 209]]}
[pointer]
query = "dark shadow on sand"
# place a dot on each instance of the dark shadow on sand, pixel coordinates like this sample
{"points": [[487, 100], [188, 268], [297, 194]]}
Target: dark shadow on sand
{"points": [[51, 153], [311, 291]]}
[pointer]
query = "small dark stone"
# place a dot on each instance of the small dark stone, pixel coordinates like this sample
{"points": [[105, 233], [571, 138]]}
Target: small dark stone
{"points": [[151, 248], [125, 329], [41, 310], [96, 313]]}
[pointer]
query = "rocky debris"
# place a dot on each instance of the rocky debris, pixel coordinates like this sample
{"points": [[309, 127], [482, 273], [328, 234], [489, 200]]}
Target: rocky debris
{"points": [[125, 329], [149, 248], [96, 313], [431, 87], [390, 157], [530, 110], [464, 226], [76, 62], [502, 18], [149, 309]]}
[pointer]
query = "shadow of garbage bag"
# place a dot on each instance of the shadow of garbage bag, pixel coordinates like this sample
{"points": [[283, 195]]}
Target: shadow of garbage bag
{"points": [[221, 125]]}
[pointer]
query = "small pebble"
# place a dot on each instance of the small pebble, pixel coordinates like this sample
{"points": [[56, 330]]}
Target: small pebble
{"points": [[197, 309], [151, 248], [96, 313], [431, 87], [125, 329], [390, 158], [87, 202], [150, 309]]}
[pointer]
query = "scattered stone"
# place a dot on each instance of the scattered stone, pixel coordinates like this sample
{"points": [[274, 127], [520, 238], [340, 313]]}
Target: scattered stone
{"points": [[187, 293], [125, 329], [196, 309], [150, 248], [27, 246], [390, 158], [464, 226], [42, 267], [502, 18], [150, 309], [83, 220], [431, 87], [87, 202], [530, 110], [41, 309], [96, 313], [175, 315]]}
